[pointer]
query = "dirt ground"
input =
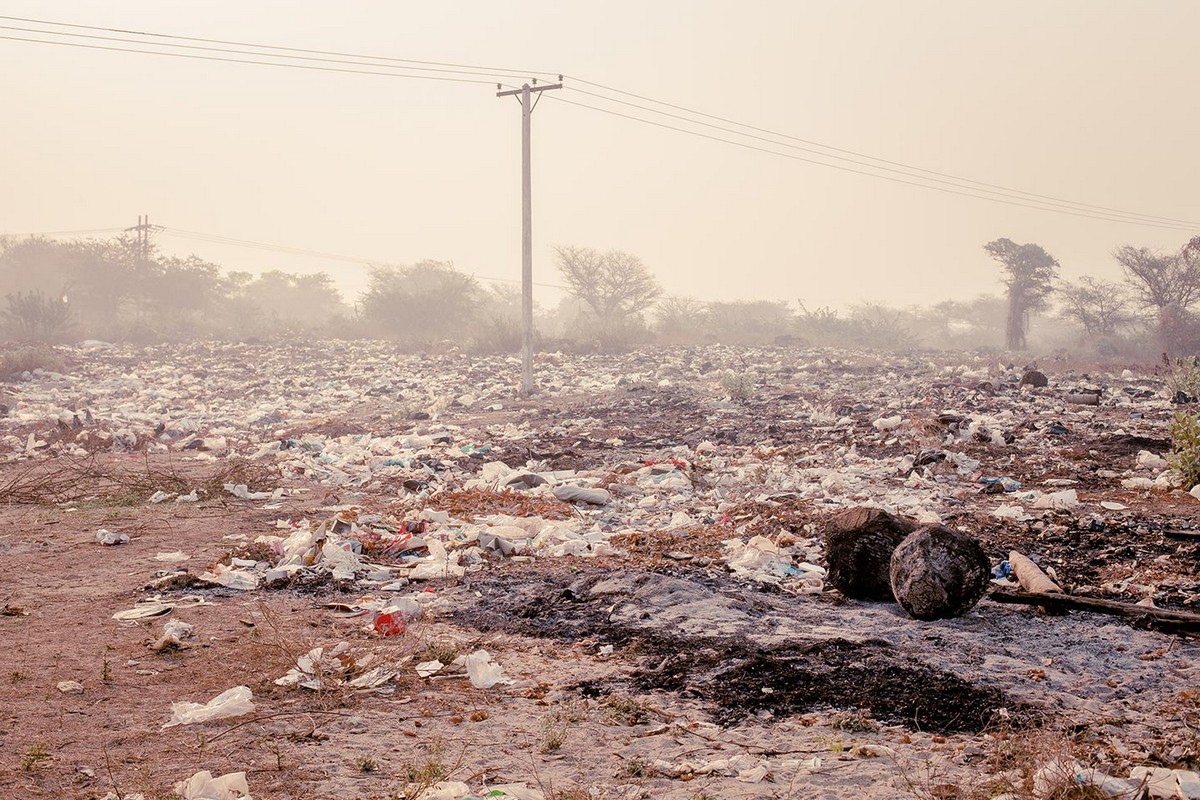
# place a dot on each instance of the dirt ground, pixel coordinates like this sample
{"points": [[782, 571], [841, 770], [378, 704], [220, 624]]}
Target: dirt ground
{"points": [[645, 669]]}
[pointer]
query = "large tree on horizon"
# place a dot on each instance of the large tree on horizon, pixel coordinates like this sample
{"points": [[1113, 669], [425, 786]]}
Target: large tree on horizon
{"points": [[1029, 272]]}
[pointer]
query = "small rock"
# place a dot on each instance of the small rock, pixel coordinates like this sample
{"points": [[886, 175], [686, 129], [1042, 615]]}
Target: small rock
{"points": [[70, 687]]}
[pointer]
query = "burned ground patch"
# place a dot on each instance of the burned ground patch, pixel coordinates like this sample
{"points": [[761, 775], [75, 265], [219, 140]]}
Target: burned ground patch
{"points": [[737, 676]]}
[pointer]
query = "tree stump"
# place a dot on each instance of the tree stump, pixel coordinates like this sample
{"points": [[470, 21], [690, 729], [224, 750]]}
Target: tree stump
{"points": [[858, 551], [937, 573]]}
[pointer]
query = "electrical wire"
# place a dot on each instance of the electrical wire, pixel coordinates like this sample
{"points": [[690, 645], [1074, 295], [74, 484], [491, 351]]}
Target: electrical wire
{"points": [[851, 152], [212, 238], [94, 37], [275, 47], [911, 172], [1097, 216], [952, 184], [246, 61]]}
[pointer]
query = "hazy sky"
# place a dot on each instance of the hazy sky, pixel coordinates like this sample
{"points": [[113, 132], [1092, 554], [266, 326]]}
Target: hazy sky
{"points": [[1089, 101]]}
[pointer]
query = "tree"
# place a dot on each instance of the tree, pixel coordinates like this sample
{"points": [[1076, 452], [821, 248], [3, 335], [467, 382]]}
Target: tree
{"points": [[748, 322], [1166, 282], [1160, 279], [679, 319], [1101, 307], [34, 316], [1029, 272], [616, 287], [424, 302]]}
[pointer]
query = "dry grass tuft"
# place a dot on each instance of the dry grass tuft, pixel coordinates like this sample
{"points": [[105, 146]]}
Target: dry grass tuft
{"points": [[27, 357]]}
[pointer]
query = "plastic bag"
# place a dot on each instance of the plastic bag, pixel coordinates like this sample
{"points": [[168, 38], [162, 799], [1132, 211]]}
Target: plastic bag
{"points": [[483, 671], [203, 786], [230, 703]]}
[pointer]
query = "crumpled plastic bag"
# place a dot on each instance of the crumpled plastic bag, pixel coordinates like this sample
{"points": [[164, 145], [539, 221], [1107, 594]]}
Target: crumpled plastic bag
{"points": [[242, 492], [107, 537], [1058, 501], [445, 790], [482, 670], [203, 786], [439, 564], [230, 703], [231, 577]]}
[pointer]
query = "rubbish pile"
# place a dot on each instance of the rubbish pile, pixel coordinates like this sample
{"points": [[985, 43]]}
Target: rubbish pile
{"points": [[390, 491]]}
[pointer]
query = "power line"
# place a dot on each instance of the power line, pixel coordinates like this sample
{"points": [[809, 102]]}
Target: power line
{"points": [[848, 152], [1187, 227], [489, 74], [245, 61], [212, 238], [977, 190], [58, 233], [276, 47], [907, 170]]}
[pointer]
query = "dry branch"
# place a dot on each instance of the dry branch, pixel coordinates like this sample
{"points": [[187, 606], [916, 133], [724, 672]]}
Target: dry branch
{"points": [[1159, 619]]}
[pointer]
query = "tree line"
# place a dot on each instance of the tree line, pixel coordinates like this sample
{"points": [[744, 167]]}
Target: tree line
{"points": [[1156, 301], [121, 290]]}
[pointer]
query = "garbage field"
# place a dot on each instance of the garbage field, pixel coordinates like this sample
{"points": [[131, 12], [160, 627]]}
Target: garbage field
{"points": [[337, 570]]}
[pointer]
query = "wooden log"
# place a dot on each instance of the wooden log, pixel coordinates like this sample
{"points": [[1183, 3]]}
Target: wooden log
{"points": [[1193, 536], [1159, 619], [938, 573], [859, 543]]}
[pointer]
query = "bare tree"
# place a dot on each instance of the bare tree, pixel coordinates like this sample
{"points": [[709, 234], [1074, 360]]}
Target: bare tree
{"points": [[1162, 279], [1101, 307], [1166, 282], [1029, 272], [616, 287]]}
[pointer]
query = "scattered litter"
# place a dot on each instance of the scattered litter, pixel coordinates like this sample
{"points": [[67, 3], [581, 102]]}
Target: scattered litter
{"points": [[242, 492], [174, 632], [107, 537], [482, 670], [427, 668], [233, 702], [230, 577], [144, 610], [203, 786]]}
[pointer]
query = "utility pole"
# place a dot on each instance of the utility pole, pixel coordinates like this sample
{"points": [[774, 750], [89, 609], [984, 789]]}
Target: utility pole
{"points": [[143, 229], [526, 93]]}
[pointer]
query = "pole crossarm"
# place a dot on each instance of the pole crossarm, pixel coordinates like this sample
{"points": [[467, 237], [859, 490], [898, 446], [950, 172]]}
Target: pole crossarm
{"points": [[539, 88]]}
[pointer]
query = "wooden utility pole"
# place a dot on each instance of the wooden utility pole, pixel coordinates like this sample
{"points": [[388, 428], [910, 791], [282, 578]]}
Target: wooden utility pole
{"points": [[143, 229], [526, 93]]}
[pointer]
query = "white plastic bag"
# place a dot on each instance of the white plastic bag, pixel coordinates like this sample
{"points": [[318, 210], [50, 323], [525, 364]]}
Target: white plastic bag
{"points": [[230, 703], [483, 671], [203, 786]]}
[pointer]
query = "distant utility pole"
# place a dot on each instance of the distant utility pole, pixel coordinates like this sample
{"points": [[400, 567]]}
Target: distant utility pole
{"points": [[143, 229], [525, 93]]}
